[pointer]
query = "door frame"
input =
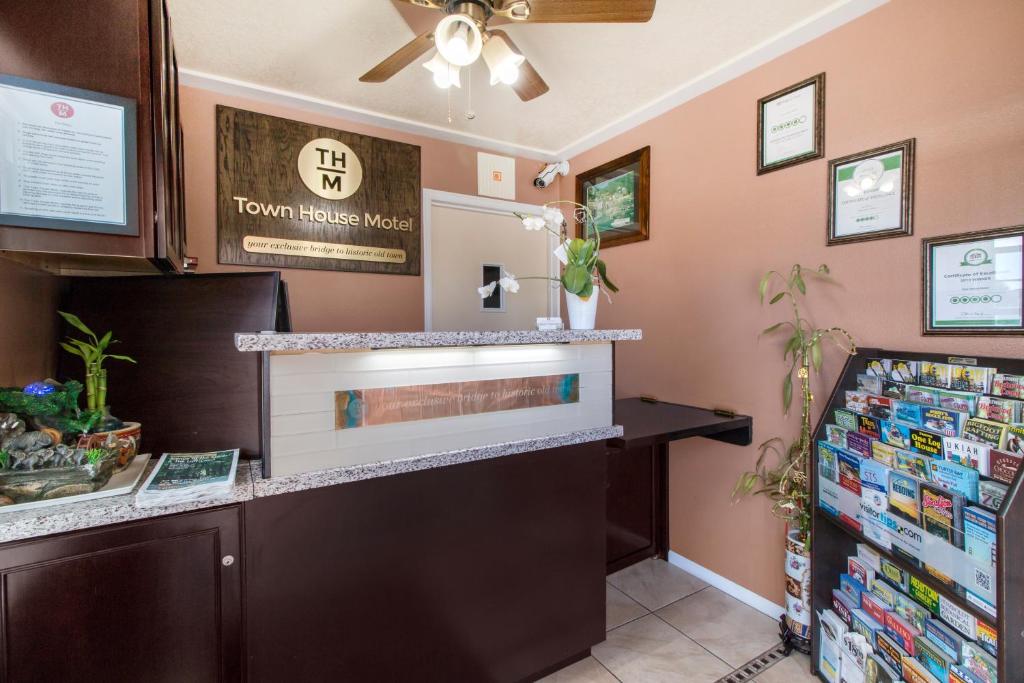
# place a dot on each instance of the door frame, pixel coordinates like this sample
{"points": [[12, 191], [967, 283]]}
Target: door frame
{"points": [[466, 202]]}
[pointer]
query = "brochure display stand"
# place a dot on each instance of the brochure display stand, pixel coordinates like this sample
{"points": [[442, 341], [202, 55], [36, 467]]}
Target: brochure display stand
{"points": [[918, 524]]}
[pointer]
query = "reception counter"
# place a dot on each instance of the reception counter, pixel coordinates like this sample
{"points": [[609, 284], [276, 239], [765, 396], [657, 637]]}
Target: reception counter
{"points": [[472, 556]]}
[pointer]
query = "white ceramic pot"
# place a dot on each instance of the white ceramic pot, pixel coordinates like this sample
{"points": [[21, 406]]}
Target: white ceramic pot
{"points": [[798, 586], [582, 312]]}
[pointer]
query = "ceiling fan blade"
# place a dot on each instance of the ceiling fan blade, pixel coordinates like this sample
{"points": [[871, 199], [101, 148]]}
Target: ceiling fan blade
{"points": [[578, 11], [406, 55], [529, 85]]}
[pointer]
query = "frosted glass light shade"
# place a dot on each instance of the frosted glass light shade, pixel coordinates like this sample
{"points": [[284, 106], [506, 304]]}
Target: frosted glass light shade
{"points": [[458, 39], [445, 75], [502, 61]]}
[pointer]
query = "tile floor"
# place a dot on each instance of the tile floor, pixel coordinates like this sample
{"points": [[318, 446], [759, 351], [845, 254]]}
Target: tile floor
{"points": [[666, 625]]}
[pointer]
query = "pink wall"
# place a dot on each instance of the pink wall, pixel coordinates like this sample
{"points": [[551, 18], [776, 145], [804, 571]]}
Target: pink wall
{"points": [[327, 300], [950, 74]]}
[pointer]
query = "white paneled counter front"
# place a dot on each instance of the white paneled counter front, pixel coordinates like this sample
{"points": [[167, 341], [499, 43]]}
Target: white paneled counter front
{"points": [[349, 400]]}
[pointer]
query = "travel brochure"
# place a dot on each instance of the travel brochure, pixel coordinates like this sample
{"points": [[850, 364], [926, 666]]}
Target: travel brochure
{"points": [[189, 477], [937, 464], [885, 626]]}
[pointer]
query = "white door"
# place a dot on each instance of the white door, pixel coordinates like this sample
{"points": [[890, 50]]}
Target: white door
{"points": [[472, 241]]}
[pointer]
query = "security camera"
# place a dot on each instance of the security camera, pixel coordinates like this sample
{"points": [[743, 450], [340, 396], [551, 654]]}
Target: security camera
{"points": [[548, 173]]}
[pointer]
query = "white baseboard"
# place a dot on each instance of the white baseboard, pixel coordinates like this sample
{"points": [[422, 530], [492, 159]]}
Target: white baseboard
{"points": [[728, 587]]}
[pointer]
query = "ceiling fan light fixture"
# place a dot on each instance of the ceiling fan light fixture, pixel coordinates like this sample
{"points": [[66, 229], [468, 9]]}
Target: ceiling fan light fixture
{"points": [[458, 39], [502, 61], [445, 74]]}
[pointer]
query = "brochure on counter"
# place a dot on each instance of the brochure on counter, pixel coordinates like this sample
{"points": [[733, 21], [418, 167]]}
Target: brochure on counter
{"points": [[189, 477]]}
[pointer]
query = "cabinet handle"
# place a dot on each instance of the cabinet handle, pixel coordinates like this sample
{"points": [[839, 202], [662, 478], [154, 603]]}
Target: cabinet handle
{"points": [[227, 560]]}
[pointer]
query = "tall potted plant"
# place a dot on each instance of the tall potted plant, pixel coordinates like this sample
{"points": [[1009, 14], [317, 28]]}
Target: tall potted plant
{"points": [[583, 270], [782, 471]]}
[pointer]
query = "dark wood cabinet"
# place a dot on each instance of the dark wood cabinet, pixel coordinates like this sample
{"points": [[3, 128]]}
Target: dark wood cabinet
{"points": [[117, 47], [482, 571], [636, 505], [154, 600]]}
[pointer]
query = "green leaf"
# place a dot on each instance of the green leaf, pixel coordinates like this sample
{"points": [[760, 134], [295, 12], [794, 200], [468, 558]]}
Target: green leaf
{"points": [[816, 354], [117, 357], [575, 278], [72, 350], [105, 341], [586, 252], [769, 330], [787, 393], [791, 346], [798, 280], [777, 298], [588, 289], [762, 287], [76, 323], [602, 270]]}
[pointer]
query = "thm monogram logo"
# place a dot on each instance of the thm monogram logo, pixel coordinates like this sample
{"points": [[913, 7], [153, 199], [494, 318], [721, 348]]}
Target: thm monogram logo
{"points": [[330, 169]]}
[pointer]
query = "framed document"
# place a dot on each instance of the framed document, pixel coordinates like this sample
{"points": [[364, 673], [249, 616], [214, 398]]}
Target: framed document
{"points": [[67, 158], [871, 194], [972, 283], [618, 195], [791, 125]]}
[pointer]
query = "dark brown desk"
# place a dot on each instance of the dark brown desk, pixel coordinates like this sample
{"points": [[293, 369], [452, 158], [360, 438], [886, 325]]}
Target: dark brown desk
{"points": [[637, 496]]}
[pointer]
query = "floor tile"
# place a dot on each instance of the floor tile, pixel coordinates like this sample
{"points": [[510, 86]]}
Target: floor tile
{"points": [[792, 669], [727, 627], [650, 651], [587, 670], [655, 583], [620, 608]]}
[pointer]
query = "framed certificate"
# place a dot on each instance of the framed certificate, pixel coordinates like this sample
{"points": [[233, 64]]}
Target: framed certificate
{"points": [[67, 158], [972, 283], [871, 194], [791, 125]]}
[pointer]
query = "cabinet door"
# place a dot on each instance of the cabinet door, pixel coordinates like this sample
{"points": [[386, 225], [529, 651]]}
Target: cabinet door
{"points": [[145, 601], [98, 45], [170, 220], [635, 505]]}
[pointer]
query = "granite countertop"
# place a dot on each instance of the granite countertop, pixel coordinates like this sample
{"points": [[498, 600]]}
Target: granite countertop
{"points": [[249, 484], [55, 519], [340, 341], [341, 475]]}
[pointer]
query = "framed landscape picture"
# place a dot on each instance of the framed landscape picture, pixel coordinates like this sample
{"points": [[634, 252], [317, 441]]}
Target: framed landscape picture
{"points": [[791, 125], [973, 283], [871, 194], [618, 195]]}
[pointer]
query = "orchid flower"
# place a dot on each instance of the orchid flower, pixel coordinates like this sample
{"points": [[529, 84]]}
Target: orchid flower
{"points": [[533, 223], [487, 290], [553, 217], [509, 283]]}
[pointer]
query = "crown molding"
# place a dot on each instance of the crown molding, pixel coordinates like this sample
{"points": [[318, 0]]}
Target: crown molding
{"points": [[316, 105], [831, 17]]}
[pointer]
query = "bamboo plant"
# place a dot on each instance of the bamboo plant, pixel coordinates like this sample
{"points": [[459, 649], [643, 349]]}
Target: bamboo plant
{"points": [[93, 352], [786, 482]]}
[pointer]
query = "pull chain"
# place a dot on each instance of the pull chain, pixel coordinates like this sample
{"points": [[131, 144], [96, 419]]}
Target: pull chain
{"points": [[470, 114]]}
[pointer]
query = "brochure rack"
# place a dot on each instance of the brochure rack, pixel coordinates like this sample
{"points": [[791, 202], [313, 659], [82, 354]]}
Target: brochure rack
{"points": [[833, 540]]}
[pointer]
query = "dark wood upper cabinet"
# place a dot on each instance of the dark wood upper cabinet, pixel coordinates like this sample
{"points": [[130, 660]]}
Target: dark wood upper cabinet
{"points": [[117, 47]]}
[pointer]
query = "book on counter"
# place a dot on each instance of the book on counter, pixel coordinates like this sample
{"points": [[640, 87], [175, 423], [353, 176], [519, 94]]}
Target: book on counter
{"points": [[189, 477]]}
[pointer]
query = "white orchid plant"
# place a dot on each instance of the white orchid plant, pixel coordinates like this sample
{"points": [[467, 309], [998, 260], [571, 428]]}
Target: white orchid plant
{"points": [[579, 255]]}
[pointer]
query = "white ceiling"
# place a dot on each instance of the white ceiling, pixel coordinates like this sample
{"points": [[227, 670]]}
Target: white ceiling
{"points": [[603, 77]]}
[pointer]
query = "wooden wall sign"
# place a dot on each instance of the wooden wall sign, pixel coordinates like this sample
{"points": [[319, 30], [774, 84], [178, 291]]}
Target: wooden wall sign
{"points": [[295, 195]]}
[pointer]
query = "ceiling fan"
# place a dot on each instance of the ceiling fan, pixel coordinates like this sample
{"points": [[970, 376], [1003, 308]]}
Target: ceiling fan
{"points": [[463, 36]]}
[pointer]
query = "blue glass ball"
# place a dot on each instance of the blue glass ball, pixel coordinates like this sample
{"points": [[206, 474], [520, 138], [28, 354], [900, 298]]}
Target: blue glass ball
{"points": [[39, 389]]}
